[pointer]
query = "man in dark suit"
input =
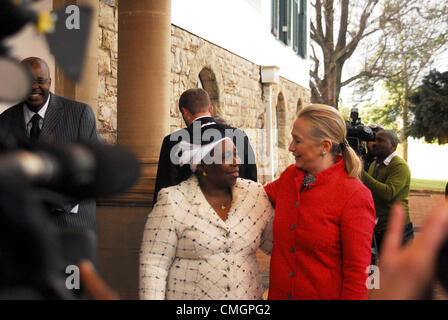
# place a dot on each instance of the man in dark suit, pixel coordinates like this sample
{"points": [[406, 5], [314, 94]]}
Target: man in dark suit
{"points": [[196, 109], [47, 118]]}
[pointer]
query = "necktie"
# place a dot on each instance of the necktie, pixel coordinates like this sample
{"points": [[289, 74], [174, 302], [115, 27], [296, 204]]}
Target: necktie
{"points": [[35, 130]]}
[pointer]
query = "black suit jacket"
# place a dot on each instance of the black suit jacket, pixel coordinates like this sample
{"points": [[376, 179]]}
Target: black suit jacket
{"points": [[169, 174], [66, 121]]}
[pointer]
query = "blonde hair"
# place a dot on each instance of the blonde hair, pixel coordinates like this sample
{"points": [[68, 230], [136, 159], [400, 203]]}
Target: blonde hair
{"points": [[327, 123]]}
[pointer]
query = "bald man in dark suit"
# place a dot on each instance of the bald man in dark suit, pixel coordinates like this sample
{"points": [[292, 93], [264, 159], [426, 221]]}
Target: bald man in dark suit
{"points": [[47, 118]]}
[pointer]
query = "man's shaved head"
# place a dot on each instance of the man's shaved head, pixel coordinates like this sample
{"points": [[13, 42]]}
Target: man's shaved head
{"points": [[34, 62], [40, 90], [392, 136], [386, 142]]}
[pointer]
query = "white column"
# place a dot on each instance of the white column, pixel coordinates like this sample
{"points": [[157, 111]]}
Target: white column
{"points": [[269, 76]]}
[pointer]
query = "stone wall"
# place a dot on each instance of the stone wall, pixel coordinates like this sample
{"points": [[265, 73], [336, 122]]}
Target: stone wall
{"points": [[236, 80], [235, 88], [107, 70], [295, 98]]}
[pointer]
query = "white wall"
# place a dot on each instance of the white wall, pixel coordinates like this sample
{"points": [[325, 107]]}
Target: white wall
{"points": [[27, 43], [244, 28]]}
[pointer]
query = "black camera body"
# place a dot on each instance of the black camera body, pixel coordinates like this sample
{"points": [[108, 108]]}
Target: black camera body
{"points": [[35, 180], [358, 134]]}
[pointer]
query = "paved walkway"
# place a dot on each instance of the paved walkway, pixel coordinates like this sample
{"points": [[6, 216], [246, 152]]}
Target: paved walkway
{"points": [[420, 204]]}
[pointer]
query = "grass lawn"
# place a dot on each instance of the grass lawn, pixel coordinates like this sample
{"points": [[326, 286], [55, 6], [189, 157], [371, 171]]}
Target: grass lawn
{"points": [[422, 184]]}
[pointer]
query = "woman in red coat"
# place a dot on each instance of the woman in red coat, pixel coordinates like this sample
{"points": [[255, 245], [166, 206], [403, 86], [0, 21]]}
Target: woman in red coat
{"points": [[324, 216]]}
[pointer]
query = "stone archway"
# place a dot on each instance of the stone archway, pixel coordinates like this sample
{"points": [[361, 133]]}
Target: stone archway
{"points": [[282, 125], [206, 72], [299, 106], [280, 112], [207, 81]]}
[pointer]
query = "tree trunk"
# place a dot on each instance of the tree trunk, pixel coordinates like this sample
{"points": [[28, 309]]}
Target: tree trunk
{"points": [[404, 103], [326, 90]]}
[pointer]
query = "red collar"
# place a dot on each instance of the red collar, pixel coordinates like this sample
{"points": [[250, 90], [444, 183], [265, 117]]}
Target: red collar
{"points": [[324, 176]]}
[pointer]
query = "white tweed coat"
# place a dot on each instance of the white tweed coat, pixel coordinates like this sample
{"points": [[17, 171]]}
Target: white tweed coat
{"points": [[189, 252]]}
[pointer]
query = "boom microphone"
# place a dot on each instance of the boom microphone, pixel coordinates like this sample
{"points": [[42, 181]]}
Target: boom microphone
{"points": [[78, 170]]}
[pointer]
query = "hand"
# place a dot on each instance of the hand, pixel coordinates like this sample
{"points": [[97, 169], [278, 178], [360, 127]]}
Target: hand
{"points": [[406, 271], [94, 285]]}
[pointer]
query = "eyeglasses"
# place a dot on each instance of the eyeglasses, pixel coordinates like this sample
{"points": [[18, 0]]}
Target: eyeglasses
{"points": [[40, 81]]}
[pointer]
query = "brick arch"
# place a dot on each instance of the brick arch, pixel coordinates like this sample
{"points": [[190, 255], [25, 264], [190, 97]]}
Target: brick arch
{"points": [[206, 70]]}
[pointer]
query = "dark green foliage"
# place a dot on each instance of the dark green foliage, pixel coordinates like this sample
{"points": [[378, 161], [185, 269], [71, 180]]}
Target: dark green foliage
{"points": [[430, 109]]}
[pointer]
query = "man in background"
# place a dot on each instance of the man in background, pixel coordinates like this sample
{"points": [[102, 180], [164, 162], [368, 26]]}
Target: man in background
{"points": [[389, 181], [196, 109]]}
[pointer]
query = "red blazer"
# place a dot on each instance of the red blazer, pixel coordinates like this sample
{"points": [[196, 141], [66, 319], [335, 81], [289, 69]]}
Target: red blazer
{"points": [[322, 236]]}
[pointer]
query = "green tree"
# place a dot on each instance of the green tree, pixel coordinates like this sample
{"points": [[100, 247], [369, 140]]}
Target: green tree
{"points": [[379, 115], [430, 109], [387, 110], [345, 112]]}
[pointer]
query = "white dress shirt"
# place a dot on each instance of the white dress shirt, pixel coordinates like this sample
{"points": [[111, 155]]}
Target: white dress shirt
{"points": [[29, 115]]}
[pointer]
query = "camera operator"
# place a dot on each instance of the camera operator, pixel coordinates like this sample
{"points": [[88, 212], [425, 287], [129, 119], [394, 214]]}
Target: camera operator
{"points": [[370, 156], [388, 179]]}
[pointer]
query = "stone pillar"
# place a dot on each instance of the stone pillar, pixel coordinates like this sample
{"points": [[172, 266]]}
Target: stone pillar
{"points": [[87, 90], [144, 38]]}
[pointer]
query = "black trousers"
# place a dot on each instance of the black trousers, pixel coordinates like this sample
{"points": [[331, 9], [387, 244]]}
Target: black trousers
{"points": [[408, 234]]}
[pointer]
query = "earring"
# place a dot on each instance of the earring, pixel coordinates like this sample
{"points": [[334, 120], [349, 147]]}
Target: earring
{"points": [[322, 153], [204, 173]]}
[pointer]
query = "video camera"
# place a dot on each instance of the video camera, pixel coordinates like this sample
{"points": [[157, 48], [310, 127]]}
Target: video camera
{"points": [[34, 254], [358, 134]]}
